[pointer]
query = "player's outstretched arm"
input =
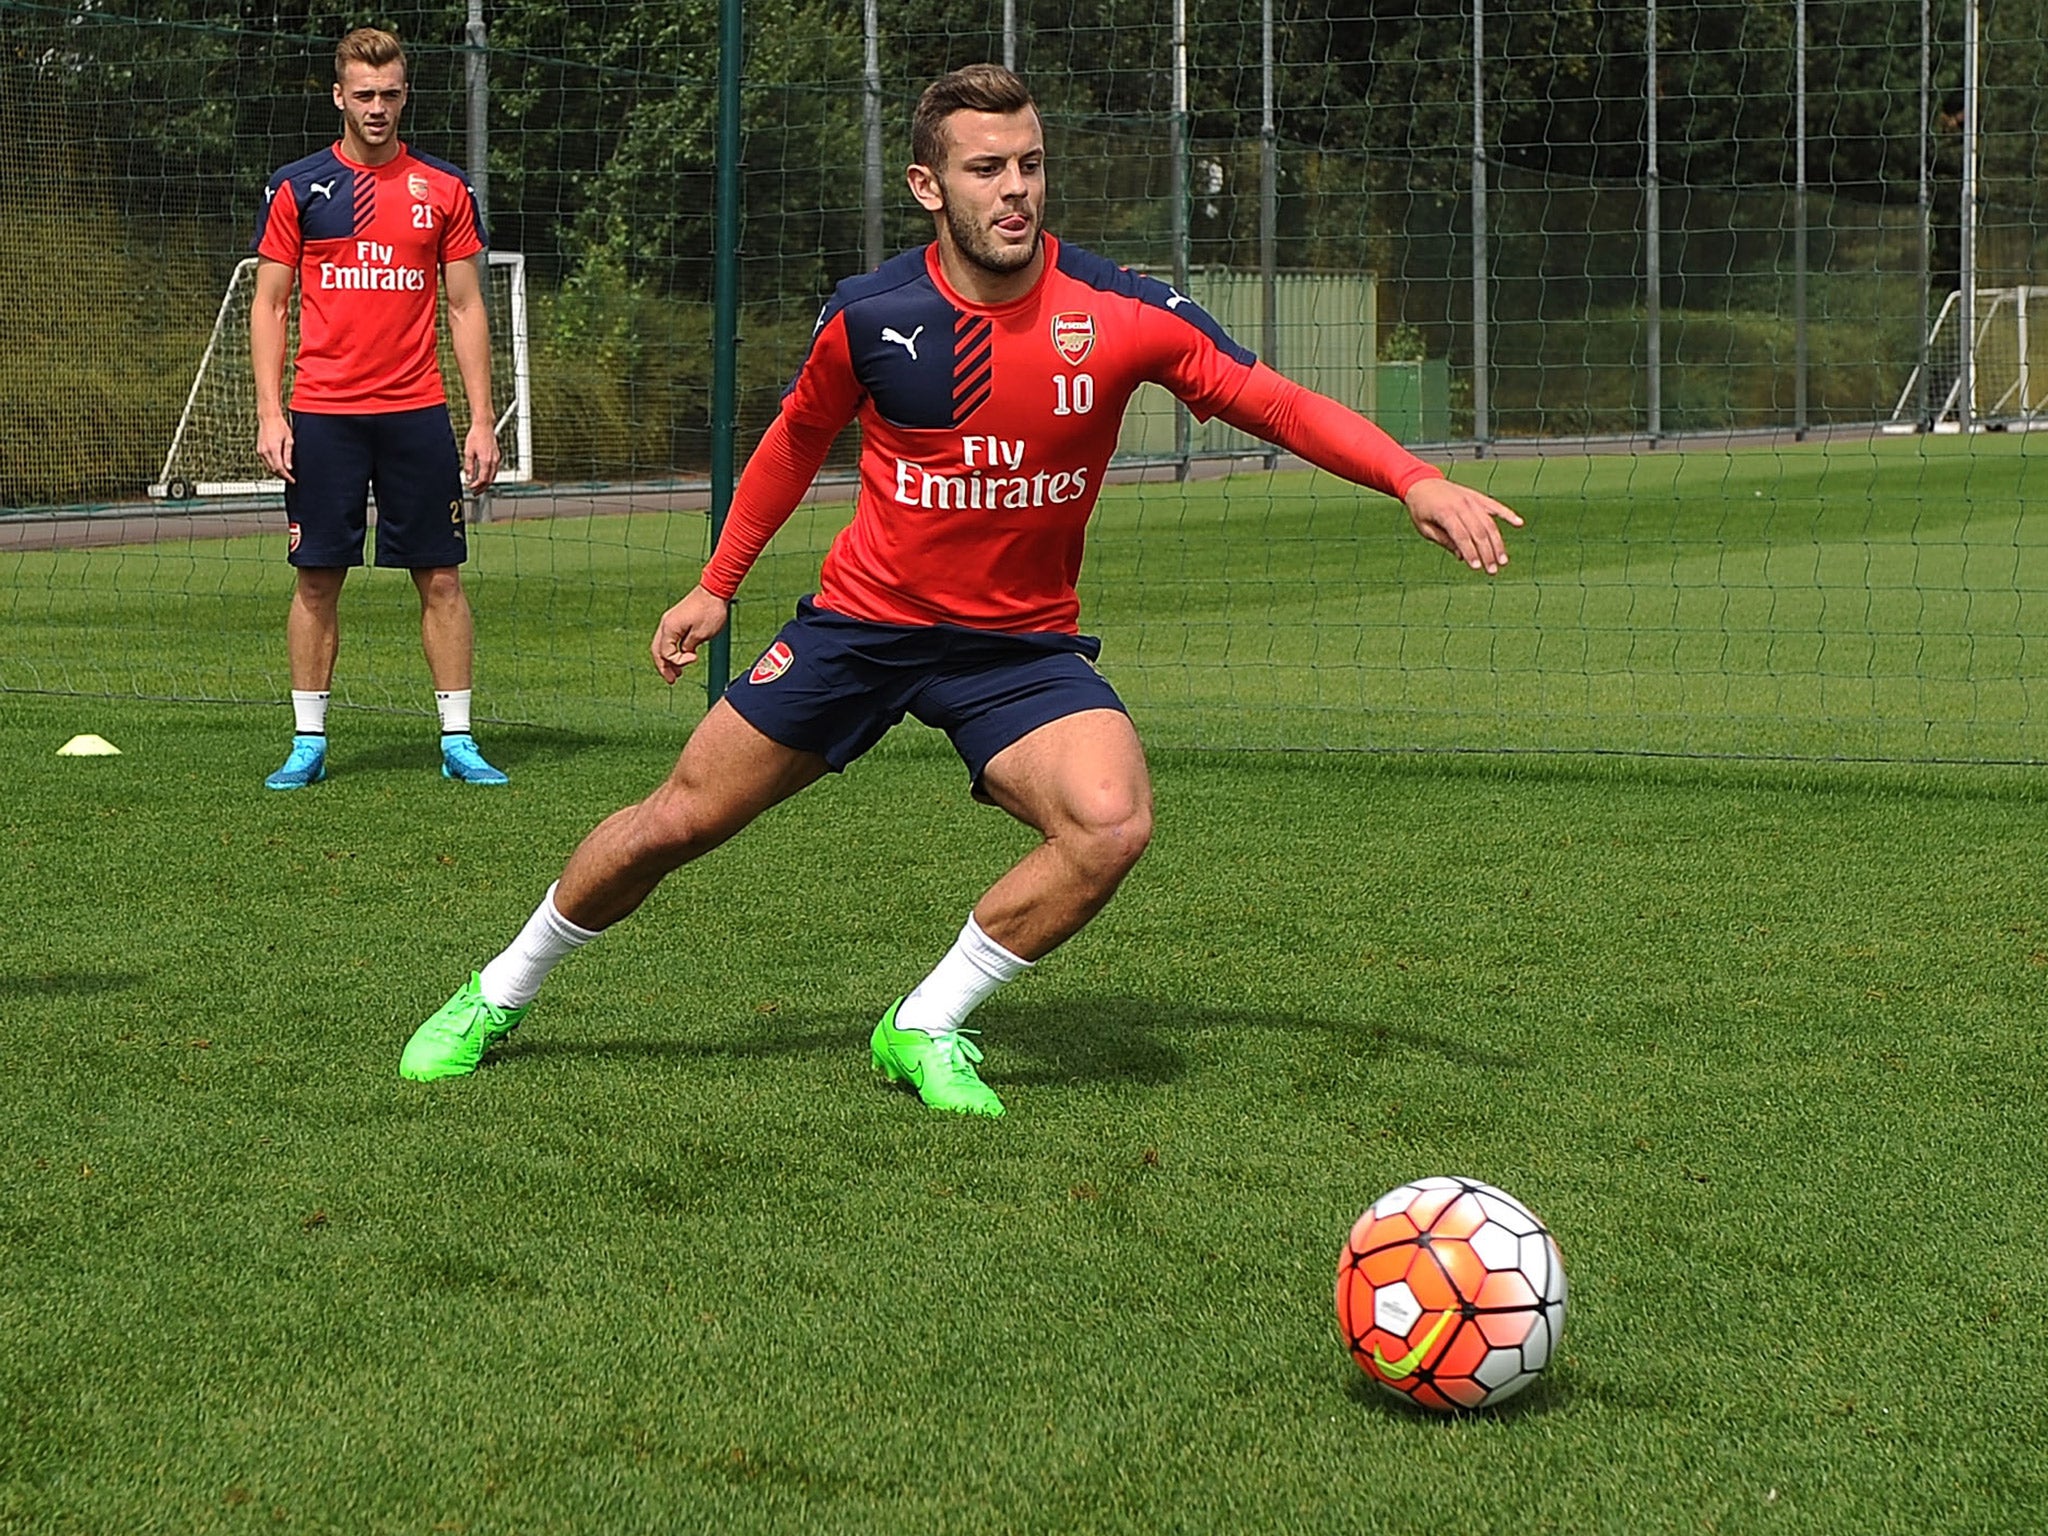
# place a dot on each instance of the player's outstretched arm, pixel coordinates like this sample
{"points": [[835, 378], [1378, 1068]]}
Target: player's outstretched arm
{"points": [[781, 469], [1332, 436], [1464, 521], [685, 628]]}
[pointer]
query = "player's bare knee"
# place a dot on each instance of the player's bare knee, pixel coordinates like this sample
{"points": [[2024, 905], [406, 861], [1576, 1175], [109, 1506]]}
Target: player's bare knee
{"points": [[676, 825], [439, 587], [319, 587], [1132, 836], [668, 829], [1106, 847]]}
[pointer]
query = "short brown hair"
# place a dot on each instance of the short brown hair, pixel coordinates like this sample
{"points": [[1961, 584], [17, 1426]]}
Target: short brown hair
{"points": [[367, 45], [973, 88]]}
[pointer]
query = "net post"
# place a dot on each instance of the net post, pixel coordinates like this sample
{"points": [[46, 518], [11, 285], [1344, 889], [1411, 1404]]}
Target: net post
{"points": [[476, 107], [1269, 208], [871, 135], [1653, 249], [2025, 381], [1183, 435], [1799, 336], [477, 77], [1924, 403], [1966, 336], [1482, 426], [725, 286]]}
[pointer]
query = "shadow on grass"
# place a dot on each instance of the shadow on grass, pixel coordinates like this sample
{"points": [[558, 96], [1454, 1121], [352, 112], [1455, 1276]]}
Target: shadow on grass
{"points": [[511, 747], [1122, 1039], [1997, 782], [1544, 1395], [771, 1042], [1127, 1037], [68, 983]]}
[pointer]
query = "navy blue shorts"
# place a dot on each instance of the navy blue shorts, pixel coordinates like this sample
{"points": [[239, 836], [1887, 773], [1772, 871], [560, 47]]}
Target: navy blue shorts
{"points": [[409, 457], [834, 685]]}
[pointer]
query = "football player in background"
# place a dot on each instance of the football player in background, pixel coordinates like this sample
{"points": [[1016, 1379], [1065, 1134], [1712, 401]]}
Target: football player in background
{"points": [[369, 230]]}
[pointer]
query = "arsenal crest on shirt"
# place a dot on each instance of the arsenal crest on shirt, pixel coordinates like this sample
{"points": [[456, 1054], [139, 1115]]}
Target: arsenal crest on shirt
{"points": [[419, 187], [1074, 335]]}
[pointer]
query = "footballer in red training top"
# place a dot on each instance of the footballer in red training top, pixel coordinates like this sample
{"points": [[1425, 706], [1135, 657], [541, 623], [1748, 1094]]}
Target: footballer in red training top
{"points": [[989, 372], [974, 500], [369, 243], [370, 233]]}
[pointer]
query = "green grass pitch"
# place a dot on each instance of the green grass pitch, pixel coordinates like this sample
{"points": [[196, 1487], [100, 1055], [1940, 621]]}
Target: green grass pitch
{"points": [[1760, 1041], [1875, 599]]}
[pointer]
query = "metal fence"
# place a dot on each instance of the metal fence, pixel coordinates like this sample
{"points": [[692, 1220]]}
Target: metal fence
{"points": [[1679, 220]]}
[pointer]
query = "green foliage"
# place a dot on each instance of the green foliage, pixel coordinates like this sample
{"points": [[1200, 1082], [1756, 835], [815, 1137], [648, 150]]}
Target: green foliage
{"points": [[91, 382], [1722, 371], [154, 127], [612, 114], [620, 377], [1402, 343]]}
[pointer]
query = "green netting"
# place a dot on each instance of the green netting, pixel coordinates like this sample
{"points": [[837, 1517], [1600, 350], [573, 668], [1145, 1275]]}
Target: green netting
{"points": [[1721, 529]]}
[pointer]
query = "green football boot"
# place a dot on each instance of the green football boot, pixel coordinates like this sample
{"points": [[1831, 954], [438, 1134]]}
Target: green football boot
{"points": [[939, 1067], [454, 1040]]}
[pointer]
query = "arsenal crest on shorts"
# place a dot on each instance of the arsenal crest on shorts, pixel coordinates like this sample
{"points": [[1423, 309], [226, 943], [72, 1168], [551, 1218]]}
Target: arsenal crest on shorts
{"points": [[1074, 335], [773, 663]]}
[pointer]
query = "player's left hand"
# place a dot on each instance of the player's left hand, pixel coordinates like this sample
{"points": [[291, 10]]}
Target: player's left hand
{"points": [[480, 456], [685, 628], [1464, 521]]}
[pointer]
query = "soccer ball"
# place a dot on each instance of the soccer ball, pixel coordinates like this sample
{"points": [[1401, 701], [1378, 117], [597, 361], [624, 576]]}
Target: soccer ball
{"points": [[1451, 1294]]}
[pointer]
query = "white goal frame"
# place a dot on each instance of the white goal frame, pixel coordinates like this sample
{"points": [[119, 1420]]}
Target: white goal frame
{"points": [[181, 480], [1998, 382]]}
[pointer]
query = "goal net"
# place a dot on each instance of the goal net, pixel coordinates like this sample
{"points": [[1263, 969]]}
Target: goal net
{"points": [[213, 451], [1653, 278], [1994, 385]]}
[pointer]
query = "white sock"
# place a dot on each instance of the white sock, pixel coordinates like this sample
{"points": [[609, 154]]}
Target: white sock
{"points": [[309, 712], [453, 707], [973, 968], [513, 979]]}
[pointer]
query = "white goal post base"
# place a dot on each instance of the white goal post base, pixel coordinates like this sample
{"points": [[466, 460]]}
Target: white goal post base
{"points": [[1990, 386], [213, 453]]}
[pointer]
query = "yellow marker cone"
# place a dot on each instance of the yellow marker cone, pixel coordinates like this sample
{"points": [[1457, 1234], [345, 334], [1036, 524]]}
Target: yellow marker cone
{"points": [[88, 746]]}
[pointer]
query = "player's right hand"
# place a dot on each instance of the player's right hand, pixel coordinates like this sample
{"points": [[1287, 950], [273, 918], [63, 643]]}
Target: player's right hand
{"points": [[1464, 521], [684, 628], [274, 446]]}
